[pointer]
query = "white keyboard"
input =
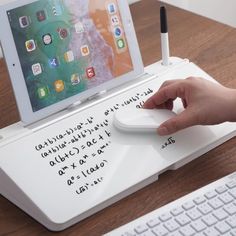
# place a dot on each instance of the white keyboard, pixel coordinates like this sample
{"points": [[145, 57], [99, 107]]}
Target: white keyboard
{"points": [[208, 211]]}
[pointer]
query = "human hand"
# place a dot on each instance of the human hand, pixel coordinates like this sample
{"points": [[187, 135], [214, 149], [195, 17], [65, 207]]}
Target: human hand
{"points": [[205, 103]]}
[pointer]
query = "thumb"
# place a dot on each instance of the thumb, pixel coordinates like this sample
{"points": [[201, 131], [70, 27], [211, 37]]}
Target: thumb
{"points": [[184, 120]]}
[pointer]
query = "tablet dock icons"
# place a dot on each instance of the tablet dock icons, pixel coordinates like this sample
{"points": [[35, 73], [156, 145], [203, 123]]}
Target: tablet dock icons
{"points": [[116, 27]]}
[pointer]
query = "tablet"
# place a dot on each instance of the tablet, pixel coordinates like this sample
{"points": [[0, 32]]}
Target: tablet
{"points": [[59, 52]]}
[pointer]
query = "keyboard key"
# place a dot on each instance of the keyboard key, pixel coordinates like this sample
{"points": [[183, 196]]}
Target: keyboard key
{"points": [[233, 232], [188, 205], [226, 198], [194, 214], [231, 184], [222, 227], [171, 225], [176, 233], [215, 203], [187, 231], [153, 222], [211, 232], [209, 220], [232, 221], [201, 234], [228, 234], [148, 233], [198, 225], [160, 230], [199, 200], [230, 208], [205, 208], [210, 194], [129, 234], [177, 211], [141, 228], [220, 214], [233, 192], [183, 220], [165, 216], [221, 189]]}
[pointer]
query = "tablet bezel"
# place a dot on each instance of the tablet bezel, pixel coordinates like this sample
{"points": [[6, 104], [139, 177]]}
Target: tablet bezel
{"points": [[18, 80]]}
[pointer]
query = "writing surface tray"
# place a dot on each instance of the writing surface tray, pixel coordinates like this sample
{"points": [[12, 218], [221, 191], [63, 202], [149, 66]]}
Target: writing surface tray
{"points": [[64, 172]]}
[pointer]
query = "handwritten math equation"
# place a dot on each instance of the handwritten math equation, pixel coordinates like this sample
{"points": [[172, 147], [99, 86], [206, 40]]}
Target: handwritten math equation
{"points": [[170, 141], [78, 155]]}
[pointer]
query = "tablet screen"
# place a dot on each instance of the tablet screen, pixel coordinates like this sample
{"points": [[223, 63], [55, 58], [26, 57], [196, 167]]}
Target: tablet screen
{"points": [[66, 47]]}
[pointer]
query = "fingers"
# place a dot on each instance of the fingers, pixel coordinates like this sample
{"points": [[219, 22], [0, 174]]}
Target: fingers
{"points": [[183, 120], [164, 98], [169, 91]]}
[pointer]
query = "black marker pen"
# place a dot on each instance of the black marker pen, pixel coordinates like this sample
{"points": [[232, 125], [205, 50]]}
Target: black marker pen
{"points": [[164, 37]]}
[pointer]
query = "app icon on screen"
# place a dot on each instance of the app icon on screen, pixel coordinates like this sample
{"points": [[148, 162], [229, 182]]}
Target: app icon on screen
{"points": [[85, 50], [111, 8], [47, 39], [118, 32], [24, 21], [90, 72], [69, 56], [75, 79], [63, 33], [115, 20], [43, 92], [30, 45], [36, 69], [79, 28], [41, 16], [120, 43], [53, 62], [59, 86]]}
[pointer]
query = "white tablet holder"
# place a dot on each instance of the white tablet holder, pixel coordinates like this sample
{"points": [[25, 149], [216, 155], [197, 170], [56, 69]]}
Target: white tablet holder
{"points": [[75, 163]]}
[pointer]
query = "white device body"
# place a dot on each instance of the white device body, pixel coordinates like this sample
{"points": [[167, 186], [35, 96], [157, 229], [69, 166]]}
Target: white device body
{"points": [[28, 180]]}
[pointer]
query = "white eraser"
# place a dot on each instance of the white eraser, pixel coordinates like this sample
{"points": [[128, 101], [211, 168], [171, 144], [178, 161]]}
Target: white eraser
{"points": [[141, 120]]}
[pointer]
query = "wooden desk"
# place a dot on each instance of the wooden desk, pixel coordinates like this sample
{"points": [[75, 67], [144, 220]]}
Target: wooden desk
{"points": [[210, 45]]}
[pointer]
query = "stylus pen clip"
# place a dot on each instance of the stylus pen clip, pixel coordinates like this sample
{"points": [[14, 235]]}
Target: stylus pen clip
{"points": [[165, 50]]}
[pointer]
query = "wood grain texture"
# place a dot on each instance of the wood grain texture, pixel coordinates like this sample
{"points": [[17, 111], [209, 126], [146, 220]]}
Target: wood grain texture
{"points": [[210, 45]]}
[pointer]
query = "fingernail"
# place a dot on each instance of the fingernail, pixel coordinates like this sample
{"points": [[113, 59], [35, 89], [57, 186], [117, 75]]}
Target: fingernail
{"points": [[162, 131]]}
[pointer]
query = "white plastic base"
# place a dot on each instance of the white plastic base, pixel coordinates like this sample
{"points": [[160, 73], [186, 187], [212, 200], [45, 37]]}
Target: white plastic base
{"points": [[76, 163]]}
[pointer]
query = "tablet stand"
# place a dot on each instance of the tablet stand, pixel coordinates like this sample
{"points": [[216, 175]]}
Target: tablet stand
{"points": [[75, 163]]}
